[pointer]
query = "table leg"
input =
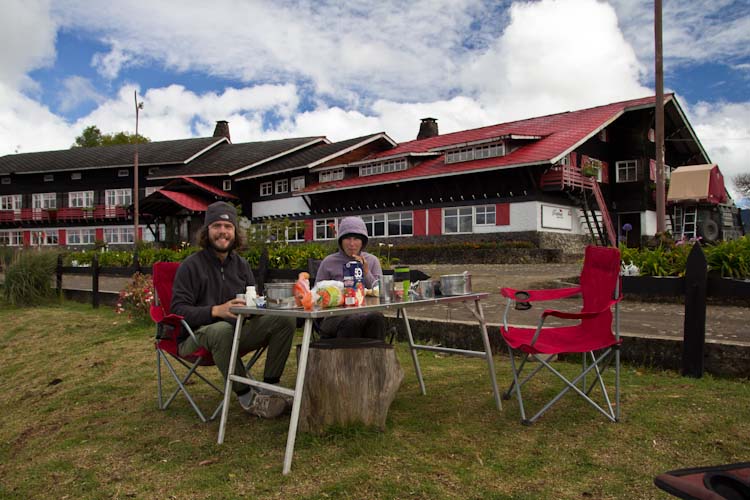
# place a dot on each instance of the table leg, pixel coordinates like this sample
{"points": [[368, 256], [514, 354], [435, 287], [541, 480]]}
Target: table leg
{"points": [[413, 350], [228, 384], [298, 388], [488, 350]]}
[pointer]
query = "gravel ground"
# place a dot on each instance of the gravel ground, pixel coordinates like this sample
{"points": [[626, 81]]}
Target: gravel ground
{"points": [[644, 319]]}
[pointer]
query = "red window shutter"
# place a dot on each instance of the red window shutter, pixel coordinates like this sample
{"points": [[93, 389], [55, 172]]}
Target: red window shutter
{"points": [[652, 170], [420, 222], [502, 214], [308, 229], [605, 172], [584, 159], [27, 238], [61, 237], [435, 225], [99, 234], [573, 159]]}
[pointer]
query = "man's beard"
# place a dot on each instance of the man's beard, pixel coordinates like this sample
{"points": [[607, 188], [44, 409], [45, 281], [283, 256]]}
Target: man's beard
{"points": [[218, 249]]}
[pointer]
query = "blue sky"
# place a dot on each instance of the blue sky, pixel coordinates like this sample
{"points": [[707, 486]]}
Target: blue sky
{"points": [[343, 69]]}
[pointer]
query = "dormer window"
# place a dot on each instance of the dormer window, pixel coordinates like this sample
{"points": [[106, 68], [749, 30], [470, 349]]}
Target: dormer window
{"points": [[335, 174], [383, 167], [478, 152]]}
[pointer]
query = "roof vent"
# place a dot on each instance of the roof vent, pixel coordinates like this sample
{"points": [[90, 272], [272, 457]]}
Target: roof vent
{"points": [[222, 129], [428, 128]]}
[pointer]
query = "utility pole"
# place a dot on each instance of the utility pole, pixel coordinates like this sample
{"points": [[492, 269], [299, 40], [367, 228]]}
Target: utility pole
{"points": [[136, 209], [661, 225]]}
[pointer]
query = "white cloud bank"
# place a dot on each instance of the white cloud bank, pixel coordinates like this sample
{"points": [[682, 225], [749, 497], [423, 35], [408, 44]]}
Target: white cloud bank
{"points": [[367, 67]]}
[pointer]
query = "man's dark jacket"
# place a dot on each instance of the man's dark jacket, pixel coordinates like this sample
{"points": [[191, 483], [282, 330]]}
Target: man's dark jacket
{"points": [[203, 281]]}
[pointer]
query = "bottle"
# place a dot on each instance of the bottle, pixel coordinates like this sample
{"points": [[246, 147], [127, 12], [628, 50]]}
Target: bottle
{"points": [[401, 283]]}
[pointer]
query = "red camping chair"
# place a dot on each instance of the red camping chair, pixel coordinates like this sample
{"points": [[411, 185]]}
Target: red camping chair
{"points": [[168, 328], [592, 336]]}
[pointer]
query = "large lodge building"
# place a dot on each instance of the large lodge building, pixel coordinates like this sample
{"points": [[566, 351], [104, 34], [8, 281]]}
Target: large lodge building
{"points": [[558, 180]]}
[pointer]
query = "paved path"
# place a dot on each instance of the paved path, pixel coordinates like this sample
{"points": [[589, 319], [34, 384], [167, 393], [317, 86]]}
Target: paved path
{"points": [[643, 319]]}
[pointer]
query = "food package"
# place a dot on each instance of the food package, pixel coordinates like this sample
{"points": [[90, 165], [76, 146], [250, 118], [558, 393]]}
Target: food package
{"points": [[329, 293]]}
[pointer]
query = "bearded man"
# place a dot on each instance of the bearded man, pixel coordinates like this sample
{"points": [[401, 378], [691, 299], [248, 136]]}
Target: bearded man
{"points": [[205, 288]]}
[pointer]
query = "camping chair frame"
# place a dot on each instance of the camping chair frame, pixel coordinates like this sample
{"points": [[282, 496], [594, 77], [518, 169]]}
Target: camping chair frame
{"points": [[543, 345], [168, 326]]}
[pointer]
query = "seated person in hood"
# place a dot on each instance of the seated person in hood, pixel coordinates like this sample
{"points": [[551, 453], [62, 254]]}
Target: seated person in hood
{"points": [[352, 242]]}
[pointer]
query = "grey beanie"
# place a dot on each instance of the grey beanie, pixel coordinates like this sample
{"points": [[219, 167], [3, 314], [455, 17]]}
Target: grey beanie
{"points": [[353, 226], [220, 211]]}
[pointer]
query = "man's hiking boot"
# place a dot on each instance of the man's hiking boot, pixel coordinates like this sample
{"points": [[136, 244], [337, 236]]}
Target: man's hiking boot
{"points": [[265, 405]]}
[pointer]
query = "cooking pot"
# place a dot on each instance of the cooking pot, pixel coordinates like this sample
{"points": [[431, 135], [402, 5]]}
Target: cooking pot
{"points": [[455, 284], [280, 295]]}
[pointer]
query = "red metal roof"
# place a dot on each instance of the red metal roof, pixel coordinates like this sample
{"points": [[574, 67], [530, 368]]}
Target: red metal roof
{"points": [[186, 200], [209, 188], [560, 133]]}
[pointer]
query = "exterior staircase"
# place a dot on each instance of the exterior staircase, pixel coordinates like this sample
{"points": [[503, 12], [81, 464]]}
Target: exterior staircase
{"points": [[586, 191]]}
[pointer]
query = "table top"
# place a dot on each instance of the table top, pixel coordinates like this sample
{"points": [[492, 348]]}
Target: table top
{"points": [[372, 304]]}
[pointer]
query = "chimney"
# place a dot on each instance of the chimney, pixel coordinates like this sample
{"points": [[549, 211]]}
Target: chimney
{"points": [[222, 129], [428, 128]]}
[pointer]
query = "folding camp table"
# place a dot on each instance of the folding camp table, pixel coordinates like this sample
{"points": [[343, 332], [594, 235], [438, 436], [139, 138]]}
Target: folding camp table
{"points": [[372, 305]]}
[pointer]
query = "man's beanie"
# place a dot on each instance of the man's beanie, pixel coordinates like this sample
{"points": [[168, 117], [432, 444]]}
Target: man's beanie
{"points": [[220, 211]]}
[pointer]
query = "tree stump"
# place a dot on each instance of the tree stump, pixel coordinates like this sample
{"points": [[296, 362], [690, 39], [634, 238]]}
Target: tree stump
{"points": [[348, 381]]}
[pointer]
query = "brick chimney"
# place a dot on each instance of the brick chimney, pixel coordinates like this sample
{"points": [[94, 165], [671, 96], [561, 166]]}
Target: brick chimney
{"points": [[222, 129], [428, 128]]}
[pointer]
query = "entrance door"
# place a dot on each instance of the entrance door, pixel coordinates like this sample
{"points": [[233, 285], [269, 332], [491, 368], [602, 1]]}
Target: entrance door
{"points": [[631, 237]]}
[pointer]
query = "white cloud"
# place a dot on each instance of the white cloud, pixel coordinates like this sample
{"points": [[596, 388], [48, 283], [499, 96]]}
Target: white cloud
{"points": [[724, 131], [75, 91], [109, 64], [27, 35]]}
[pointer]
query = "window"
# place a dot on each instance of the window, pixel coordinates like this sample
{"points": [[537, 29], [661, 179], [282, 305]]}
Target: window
{"points": [[11, 238], [6, 181], [400, 224], [44, 201], [484, 215], [75, 176], [457, 220], [10, 202], [298, 183], [49, 178], [85, 236], [119, 234], [564, 161], [226, 185], [331, 175], [383, 167], [266, 189], [44, 237], [325, 229], [475, 153], [123, 172], [295, 231], [81, 199], [152, 189], [375, 224], [282, 186], [627, 171], [118, 197]]}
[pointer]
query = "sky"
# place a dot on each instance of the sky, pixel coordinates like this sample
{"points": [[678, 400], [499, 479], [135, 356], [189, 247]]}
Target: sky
{"points": [[343, 69]]}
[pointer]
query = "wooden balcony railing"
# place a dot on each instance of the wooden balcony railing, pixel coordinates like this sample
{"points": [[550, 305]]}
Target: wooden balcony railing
{"points": [[99, 212]]}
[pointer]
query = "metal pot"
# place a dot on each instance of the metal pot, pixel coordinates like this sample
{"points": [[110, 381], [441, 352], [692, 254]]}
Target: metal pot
{"points": [[280, 295], [456, 284]]}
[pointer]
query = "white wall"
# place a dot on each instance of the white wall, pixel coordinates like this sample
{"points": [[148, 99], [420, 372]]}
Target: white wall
{"points": [[282, 206], [648, 223]]}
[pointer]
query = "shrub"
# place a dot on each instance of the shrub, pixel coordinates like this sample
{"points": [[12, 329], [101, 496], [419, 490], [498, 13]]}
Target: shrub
{"points": [[28, 278], [136, 298]]}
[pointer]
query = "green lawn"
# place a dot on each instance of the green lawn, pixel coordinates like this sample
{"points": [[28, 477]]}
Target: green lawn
{"points": [[79, 420]]}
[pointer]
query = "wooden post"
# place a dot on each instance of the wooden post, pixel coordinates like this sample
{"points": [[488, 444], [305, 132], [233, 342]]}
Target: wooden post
{"points": [[58, 275], [260, 280], [95, 282], [696, 279], [136, 262]]}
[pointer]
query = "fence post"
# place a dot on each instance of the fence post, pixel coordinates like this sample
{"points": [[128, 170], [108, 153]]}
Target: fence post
{"points": [[95, 282], [136, 262], [58, 275], [696, 279]]}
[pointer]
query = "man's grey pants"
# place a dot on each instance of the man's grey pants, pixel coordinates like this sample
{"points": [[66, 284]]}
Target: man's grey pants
{"points": [[258, 331]]}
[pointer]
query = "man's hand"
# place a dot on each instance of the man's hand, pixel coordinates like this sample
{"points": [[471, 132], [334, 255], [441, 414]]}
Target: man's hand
{"points": [[222, 310]]}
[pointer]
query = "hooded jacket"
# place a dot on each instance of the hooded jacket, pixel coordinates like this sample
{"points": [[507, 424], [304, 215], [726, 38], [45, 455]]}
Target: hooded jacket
{"points": [[332, 267]]}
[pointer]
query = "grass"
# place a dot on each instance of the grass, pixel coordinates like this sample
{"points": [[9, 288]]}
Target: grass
{"points": [[79, 420]]}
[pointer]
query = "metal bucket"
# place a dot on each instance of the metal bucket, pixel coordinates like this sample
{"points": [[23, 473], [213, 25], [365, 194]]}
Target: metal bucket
{"points": [[455, 284], [280, 295]]}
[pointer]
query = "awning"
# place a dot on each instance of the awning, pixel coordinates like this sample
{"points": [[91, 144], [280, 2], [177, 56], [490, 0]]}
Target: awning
{"points": [[165, 202]]}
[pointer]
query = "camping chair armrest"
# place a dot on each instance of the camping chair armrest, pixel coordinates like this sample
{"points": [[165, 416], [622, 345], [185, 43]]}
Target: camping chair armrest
{"points": [[579, 315], [540, 295], [189, 330]]}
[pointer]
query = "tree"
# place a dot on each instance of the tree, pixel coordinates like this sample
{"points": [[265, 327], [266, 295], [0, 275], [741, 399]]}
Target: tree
{"points": [[92, 137], [742, 183]]}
